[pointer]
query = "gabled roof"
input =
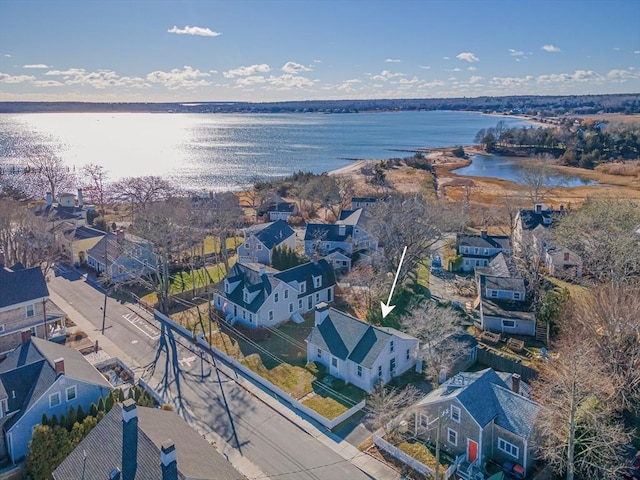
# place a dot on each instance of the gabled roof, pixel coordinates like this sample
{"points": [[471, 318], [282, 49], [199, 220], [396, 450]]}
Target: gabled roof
{"points": [[249, 277], [196, 458], [500, 266], [29, 371], [509, 309], [306, 272], [347, 337], [350, 217], [483, 241], [20, 285], [83, 233], [504, 283], [282, 207], [271, 234], [109, 246], [328, 232], [487, 398], [530, 219]]}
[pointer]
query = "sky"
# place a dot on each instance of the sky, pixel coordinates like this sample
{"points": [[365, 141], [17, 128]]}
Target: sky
{"points": [[279, 50]]}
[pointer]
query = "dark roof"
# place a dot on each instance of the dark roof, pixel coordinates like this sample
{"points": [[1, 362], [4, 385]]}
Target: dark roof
{"points": [[21, 285], [248, 274], [345, 337], [328, 233], [57, 212], [364, 199], [196, 458], [504, 283], [273, 233], [29, 371], [306, 273], [510, 309], [281, 207], [530, 219], [500, 266], [487, 397], [107, 244], [82, 233], [487, 241]]}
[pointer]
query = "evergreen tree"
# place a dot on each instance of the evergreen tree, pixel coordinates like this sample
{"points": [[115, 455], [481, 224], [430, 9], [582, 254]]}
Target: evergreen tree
{"points": [[101, 404], [80, 415], [108, 405], [44, 421], [71, 418], [54, 420], [120, 395], [93, 409]]}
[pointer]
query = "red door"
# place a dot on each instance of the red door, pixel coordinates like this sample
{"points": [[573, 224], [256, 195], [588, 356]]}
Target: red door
{"points": [[472, 450]]}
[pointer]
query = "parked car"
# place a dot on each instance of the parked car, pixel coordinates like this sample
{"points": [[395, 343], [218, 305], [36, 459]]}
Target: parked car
{"points": [[513, 470]]}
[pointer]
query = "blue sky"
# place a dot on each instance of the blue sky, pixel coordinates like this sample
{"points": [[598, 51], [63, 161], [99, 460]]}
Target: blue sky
{"points": [[271, 50]]}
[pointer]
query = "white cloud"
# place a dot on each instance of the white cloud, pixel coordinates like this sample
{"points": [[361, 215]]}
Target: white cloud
{"points": [[550, 48], [516, 53], [437, 83], [471, 68], [247, 71], [424, 67], [188, 78], [386, 75], [187, 30], [37, 65], [293, 68], [467, 56], [637, 52], [7, 55], [66, 73], [445, 58], [577, 76], [99, 79], [289, 81], [392, 60], [622, 75], [511, 81], [353, 80], [406, 81], [252, 80], [6, 78], [475, 79], [48, 83]]}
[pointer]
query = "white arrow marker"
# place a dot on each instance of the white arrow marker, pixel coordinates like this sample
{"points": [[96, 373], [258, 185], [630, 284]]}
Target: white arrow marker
{"points": [[386, 309]]}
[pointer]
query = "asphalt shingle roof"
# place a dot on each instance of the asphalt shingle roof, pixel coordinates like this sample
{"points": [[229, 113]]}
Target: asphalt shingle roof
{"points": [[21, 285], [273, 233], [328, 233], [306, 273], [480, 241]]}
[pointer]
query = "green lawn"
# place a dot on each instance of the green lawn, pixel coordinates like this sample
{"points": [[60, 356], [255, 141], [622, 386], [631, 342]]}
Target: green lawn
{"points": [[212, 244]]}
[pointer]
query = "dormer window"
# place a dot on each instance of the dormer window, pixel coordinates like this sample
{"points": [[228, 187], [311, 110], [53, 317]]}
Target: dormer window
{"points": [[303, 287], [317, 282], [227, 287], [245, 296]]}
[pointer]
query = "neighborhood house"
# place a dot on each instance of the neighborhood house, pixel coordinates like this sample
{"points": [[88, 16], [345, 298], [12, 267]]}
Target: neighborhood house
{"points": [[261, 240]]}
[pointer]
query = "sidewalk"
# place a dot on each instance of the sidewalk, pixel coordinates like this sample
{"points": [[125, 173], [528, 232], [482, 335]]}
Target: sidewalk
{"points": [[367, 463]]}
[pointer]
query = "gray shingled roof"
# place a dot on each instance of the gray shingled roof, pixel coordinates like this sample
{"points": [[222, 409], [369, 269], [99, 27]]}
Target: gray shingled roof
{"points": [[345, 337], [196, 458], [480, 241], [248, 275], [306, 272], [328, 233], [273, 233], [486, 397], [21, 285]]}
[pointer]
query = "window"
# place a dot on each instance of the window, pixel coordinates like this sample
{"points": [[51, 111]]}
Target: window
{"points": [[408, 354], [259, 246], [494, 293], [329, 294], [120, 269], [317, 281], [359, 370], [246, 297], [392, 365], [466, 261], [251, 318], [486, 251], [286, 293], [508, 324], [219, 301], [317, 297], [54, 399], [452, 437], [275, 297], [391, 346], [34, 331], [319, 353], [309, 302], [31, 310], [455, 413], [423, 420], [270, 315], [334, 362], [509, 448], [299, 304], [291, 308], [516, 295], [303, 287], [1, 327], [380, 370], [71, 393]]}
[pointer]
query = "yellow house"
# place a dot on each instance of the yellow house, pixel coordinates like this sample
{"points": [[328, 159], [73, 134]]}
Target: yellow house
{"points": [[75, 241]]}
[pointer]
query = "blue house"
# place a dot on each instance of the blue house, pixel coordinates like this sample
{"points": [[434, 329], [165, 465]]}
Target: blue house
{"points": [[42, 377]]}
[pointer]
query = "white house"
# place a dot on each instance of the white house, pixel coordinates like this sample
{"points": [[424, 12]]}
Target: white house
{"points": [[260, 240], [358, 352], [478, 250], [259, 296]]}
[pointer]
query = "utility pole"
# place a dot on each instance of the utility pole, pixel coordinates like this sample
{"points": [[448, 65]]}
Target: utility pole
{"points": [[106, 271], [437, 469], [44, 317]]}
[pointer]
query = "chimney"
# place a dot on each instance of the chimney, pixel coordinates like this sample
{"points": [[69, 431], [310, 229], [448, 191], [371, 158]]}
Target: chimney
{"points": [[59, 366], [49, 199], [169, 460], [566, 256], [538, 208], [25, 336], [1, 258], [322, 312], [80, 199], [483, 233], [562, 208], [120, 235], [114, 474], [342, 230], [129, 439], [515, 383]]}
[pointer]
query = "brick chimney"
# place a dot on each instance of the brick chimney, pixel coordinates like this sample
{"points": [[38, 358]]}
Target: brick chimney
{"points": [[169, 460], [538, 208], [515, 383], [129, 439], [483, 233], [322, 312], [25, 336], [59, 366]]}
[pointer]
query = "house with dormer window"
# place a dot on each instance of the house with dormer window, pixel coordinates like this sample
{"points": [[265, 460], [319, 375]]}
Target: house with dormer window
{"points": [[261, 240], [478, 250], [42, 377], [259, 296], [485, 415], [357, 352]]}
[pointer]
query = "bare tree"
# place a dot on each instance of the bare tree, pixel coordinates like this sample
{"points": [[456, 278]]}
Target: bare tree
{"points": [[413, 222], [142, 191], [46, 172], [578, 432], [94, 184], [439, 331], [539, 178], [603, 233], [386, 404]]}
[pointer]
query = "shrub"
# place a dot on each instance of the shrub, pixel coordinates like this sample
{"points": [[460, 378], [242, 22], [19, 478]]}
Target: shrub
{"points": [[318, 370], [338, 384]]}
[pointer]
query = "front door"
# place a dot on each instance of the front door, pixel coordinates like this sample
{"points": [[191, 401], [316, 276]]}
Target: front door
{"points": [[472, 450]]}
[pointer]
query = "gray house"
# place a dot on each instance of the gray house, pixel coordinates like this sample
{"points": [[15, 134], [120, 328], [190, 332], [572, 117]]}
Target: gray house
{"points": [[478, 250], [482, 415], [141, 443], [42, 377], [260, 240]]}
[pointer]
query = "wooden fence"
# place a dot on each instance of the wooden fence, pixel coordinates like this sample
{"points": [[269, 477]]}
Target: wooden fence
{"points": [[504, 364]]}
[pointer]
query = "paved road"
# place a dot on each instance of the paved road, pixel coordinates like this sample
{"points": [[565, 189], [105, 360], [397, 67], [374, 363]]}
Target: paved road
{"points": [[222, 410]]}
